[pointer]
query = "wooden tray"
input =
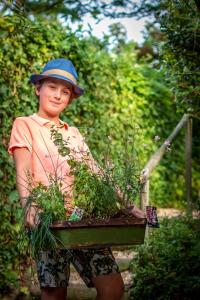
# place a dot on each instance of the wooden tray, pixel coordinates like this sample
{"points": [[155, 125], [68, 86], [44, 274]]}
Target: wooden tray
{"points": [[99, 232]]}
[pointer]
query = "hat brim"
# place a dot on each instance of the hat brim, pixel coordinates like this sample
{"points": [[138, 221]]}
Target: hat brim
{"points": [[78, 91]]}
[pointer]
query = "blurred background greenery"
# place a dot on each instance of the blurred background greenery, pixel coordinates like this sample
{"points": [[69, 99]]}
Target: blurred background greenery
{"points": [[143, 88]]}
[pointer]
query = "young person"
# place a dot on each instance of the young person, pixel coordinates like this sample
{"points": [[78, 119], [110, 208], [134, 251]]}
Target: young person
{"points": [[36, 155]]}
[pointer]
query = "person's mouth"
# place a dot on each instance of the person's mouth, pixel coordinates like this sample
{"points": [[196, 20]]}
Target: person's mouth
{"points": [[55, 103]]}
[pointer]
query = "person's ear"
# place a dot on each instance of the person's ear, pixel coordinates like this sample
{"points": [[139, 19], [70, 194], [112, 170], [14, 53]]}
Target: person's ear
{"points": [[37, 88]]}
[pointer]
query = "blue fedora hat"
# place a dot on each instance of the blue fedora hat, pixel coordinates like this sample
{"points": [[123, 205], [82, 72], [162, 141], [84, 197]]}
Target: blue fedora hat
{"points": [[62, 69]]}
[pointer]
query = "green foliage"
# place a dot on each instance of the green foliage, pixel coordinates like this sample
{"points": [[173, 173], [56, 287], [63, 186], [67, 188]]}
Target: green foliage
{"points": [[41, 236], [94, 192], [94, 189], [179, 23], [121, 95], [179, 54], [95, 195], [49, 199], [49, 205], [8, 250], [181, 51], [167, 266], [75, 10]]}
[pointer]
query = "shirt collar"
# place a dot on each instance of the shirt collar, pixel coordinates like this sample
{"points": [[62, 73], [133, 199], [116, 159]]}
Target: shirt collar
{"points": [[42, 121]]}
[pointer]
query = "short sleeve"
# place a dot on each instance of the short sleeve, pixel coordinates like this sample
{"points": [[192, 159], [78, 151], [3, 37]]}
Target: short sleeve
{"points": [[20, 136]]}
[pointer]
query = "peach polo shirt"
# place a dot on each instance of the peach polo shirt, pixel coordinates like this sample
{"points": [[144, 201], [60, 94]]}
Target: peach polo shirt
{"points": [[33, 133]]}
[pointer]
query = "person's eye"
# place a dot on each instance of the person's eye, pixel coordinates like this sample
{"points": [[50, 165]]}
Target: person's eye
{"points": [[52, 86], [67, 92]]}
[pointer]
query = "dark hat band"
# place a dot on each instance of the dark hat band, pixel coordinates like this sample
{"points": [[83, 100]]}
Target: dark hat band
{"points": [[61, 73]]}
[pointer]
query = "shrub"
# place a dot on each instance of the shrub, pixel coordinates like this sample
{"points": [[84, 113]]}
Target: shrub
{"points": [[168, 264]]}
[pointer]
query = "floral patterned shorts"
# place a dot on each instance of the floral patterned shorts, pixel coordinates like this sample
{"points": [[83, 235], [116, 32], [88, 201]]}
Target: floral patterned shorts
{"points": [[54, 268]]}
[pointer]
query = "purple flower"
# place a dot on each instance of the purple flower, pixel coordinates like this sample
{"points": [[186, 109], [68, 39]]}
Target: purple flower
{"points": [[167, 143]]}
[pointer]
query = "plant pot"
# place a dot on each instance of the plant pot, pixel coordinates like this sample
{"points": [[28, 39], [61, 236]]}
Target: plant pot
{"points": [[99, 232]]}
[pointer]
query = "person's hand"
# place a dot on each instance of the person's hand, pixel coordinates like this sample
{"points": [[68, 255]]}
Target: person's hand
{"points": [[69, 207], [138, 213], [31, 217], [134, 211]]}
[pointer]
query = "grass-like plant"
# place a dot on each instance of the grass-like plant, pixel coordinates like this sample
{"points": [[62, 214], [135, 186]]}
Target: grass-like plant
{"points": [[49, 203]]}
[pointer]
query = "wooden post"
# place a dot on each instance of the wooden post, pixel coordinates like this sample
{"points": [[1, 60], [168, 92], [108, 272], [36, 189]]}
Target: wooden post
{"points": [[188, 162], [156, 157], [144, 195], [144, 201]]}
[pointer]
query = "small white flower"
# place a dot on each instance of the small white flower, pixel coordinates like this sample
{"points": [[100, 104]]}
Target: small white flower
{"points": [[169, 149], [145, 146], [137, 126], [129, 187], [156, 138]]}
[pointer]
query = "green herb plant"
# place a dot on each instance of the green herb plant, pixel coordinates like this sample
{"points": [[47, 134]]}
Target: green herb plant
{"points": [[93, 192], [49, 203], [96, 193]]}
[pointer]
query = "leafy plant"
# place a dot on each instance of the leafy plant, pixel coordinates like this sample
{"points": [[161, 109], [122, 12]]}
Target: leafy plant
{"points": [[95, 192], [48, 199], [49, 205], [167, 266]]}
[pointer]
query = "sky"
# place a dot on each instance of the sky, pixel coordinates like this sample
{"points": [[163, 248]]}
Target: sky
{"points": [[134, 27]]}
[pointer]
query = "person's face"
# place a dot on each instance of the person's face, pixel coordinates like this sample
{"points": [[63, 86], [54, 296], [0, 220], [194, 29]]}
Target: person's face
{"points": [[54, 95]]}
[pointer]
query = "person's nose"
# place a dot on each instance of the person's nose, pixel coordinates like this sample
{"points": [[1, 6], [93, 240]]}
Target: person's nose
{"points": [[58, 94]]}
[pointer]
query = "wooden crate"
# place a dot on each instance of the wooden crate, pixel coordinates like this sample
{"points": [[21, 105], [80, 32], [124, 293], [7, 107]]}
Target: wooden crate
{"points": [[99, 233]]}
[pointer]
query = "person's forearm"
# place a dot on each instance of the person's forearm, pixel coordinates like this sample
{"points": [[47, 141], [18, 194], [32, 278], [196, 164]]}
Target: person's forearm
{"points": [[23, 166], [23, 188]]}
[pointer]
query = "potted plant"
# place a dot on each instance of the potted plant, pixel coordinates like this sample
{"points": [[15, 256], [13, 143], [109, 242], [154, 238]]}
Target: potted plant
{"points": [[103, 219]]}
